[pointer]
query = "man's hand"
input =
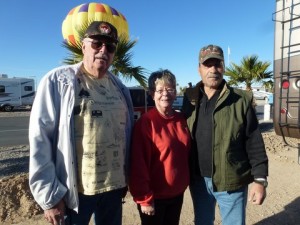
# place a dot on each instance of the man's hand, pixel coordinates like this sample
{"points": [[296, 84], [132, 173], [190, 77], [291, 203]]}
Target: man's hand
{"points": [[149, 210], [56, 214], [257, 194]]}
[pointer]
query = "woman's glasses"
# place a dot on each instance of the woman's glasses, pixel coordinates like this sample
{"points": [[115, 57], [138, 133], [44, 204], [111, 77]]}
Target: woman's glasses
{"points": [[96, 44], [169, 91]]}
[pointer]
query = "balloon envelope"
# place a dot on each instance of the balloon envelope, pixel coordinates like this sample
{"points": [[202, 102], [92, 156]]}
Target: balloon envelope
{"points": [[81, 16]]}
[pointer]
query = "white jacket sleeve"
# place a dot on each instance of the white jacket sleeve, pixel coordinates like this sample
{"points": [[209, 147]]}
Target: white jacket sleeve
{"points": [[43, 130]]}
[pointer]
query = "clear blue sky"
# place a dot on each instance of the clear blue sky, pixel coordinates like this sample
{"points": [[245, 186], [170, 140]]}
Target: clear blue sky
{"points": [[170, 33]]}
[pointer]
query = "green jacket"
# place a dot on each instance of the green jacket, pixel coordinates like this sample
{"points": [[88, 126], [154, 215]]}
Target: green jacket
{"points": [[238, 148]]}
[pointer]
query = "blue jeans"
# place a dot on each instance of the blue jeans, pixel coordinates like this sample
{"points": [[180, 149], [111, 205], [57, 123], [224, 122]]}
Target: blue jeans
{"points": [[106, 207], [232, 204]]}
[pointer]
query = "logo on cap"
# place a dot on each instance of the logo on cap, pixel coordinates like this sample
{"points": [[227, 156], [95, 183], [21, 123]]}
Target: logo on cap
{"points": [[104, 28]]}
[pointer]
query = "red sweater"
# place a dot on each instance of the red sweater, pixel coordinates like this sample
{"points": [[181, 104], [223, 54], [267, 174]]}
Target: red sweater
{"points": [[159, 157]]}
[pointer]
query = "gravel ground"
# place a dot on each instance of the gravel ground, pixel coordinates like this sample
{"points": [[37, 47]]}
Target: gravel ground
{"points": [[14, 160]]}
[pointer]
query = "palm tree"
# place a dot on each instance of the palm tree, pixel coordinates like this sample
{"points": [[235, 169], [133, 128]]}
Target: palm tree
{"points": [[121, 65], [269, 85], [250, 71]]}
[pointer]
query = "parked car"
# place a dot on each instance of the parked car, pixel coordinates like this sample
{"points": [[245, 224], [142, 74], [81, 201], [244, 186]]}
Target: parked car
{"points": [[177, 104]]}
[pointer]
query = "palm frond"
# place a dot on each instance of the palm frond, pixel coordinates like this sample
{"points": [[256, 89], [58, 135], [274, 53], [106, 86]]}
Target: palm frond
{"points": [[251, 70]]}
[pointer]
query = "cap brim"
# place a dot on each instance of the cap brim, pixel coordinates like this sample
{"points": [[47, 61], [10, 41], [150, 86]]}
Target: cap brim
{"points": [[212, 57], [97, 36]]}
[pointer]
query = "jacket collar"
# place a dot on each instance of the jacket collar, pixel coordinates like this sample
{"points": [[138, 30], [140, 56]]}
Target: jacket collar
{"points": [[193, 94]]}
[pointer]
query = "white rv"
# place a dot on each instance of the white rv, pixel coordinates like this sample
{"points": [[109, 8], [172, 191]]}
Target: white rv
{"points": [[16, 92], [287, 68]]}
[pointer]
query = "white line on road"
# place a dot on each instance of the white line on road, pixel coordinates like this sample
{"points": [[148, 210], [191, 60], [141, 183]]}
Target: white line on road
{"points": [[1, 131]]}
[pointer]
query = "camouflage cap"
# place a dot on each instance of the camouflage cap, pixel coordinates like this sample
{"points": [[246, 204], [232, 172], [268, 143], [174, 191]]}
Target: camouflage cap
{"points": [[210, 51], [102, 29]]}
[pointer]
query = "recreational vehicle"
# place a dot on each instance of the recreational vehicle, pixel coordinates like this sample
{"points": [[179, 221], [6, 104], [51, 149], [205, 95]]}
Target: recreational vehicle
{"points": [[16, 92], [287, 68]]}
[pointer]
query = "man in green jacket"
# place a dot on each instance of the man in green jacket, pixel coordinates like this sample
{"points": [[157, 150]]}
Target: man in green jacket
{"points": [[228, 149]]}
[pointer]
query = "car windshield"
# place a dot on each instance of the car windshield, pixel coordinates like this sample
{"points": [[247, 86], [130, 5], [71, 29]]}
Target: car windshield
{"points": [[177, 104]]}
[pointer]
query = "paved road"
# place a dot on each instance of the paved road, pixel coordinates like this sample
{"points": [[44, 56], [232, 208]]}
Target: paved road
{"points": [[13, 131]]}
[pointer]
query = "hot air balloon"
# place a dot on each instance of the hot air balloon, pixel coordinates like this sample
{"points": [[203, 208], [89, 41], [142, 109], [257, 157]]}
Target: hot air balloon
{"points": [[81, 16]]}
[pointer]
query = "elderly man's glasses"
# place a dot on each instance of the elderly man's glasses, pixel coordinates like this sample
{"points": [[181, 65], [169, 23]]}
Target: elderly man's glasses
{"points": [[169, 91], [96, 44]]}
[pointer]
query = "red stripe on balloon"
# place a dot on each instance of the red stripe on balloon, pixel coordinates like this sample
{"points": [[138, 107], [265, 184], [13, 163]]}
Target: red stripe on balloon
{"points": [[72, 39], [100, 8], [71, 12], [123, 17]]}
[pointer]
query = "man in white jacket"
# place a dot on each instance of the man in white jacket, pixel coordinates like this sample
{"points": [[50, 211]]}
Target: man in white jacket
{"points": [[79, 133]]}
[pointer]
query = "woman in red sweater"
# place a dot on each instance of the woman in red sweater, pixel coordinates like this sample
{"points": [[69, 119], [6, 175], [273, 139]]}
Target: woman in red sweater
{"points": [[159, 171]]}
